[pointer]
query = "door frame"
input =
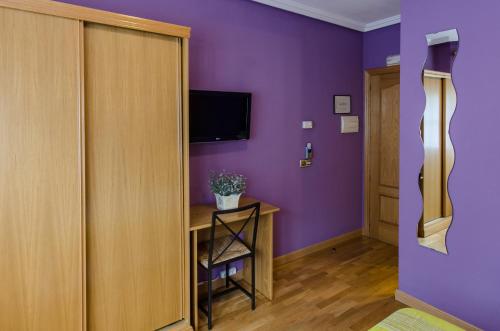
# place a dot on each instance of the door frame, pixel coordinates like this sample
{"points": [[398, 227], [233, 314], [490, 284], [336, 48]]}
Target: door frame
{"points": [[367, 142]]}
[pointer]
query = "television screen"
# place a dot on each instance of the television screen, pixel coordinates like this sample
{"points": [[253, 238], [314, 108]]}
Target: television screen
{"points": [[219, 116]]}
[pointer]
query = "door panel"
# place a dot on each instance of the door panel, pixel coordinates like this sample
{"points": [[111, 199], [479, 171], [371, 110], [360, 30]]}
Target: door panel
{"points": [[389, 137], [432, 135], [389, 210], [134, 219], [383, 156], [41, 264], [439, 153], [449, 157]]}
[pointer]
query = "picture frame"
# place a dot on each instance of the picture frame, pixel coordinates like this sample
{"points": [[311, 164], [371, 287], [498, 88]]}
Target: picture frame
{"points": [[341, 104]]}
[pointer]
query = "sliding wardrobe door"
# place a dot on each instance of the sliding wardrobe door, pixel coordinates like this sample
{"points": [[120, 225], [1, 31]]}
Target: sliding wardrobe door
{"points": [[133, 161], [40, 173]]}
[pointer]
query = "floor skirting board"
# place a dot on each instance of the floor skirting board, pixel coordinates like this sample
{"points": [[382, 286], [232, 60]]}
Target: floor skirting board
{"points": [[413, 302], [283, 259]]}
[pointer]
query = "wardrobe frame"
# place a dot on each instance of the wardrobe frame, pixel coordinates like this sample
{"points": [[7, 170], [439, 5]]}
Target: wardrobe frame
{"points": [[83, 15]]}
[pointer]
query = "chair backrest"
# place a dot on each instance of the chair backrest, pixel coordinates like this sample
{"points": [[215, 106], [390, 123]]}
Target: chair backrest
{"points": [[253, 211]]}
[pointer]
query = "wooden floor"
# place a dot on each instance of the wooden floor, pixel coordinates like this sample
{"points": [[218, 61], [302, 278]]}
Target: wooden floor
{"points": [[436, 241], [350, 289]]}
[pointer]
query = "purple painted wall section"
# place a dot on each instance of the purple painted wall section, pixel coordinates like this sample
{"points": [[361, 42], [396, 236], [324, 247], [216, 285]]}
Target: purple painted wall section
{"points": [[378, 44], [465, 283], [440, 57], [293, 66]]}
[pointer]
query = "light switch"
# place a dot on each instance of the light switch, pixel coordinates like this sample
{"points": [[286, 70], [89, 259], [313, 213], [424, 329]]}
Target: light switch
{"points": [[307, 124], [349, 124]]}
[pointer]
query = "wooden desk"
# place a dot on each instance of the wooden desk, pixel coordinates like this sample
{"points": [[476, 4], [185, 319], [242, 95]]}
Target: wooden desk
{"points": [[201, 222]]}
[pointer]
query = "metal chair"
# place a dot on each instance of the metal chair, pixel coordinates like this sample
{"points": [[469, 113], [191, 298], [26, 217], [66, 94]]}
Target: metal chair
{"points": [[224, 250]]}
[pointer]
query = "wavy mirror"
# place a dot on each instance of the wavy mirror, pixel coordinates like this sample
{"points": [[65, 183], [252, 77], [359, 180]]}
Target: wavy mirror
{"points": [[439, 157]]}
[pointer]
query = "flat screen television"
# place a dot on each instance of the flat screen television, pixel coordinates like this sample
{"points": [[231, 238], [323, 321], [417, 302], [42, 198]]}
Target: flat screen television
{"points": [[219, 116]]}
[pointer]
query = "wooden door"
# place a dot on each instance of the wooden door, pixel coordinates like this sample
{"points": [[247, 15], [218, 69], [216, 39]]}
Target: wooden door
{"points": [[432, 176], [134, 179], [41, 286], [439, 153], [449, 102], [383, 156]]}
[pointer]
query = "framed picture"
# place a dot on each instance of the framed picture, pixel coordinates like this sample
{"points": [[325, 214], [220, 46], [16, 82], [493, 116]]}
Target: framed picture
{"points": [[342, 104]]}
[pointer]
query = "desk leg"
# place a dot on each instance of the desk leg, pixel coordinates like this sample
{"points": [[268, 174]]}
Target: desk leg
{"points": [[194, 279], [264, 258]]}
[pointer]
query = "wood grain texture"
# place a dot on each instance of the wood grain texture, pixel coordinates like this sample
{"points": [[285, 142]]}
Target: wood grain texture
{"points": [[437, 238], [263, 257], [389, 210], [135, 254], [439, 155], [194, 278], [450, 103], [40, 173], [382, 155], [383, 70], [81, 129], [351, 289], [60, 9], [184, 78], [389, 136], [373, 150], [389, 191], [178, 326], [432, 138], [436, 225], [201, 215], [303, 252], [366, 154]]}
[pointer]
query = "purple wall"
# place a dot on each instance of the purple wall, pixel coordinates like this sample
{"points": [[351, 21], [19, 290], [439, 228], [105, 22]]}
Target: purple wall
{"points": [[465, 283], [440, 57], [293, 66], [378, 44]]}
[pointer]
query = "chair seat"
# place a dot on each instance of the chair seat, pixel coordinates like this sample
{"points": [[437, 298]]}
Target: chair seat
{"points": [[236, 249]]}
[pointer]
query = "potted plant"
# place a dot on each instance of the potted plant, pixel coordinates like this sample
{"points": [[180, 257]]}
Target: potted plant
{"points": [[227, 187]]}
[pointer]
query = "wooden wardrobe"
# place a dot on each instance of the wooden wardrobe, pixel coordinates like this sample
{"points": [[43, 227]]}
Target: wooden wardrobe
{"points": [[94, 201]]}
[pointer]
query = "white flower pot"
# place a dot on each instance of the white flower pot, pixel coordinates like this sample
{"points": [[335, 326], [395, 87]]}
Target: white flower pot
{"points": [[227, 202]]}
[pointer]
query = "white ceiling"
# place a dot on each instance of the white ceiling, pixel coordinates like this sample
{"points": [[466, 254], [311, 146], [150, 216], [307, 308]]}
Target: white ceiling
{"points": [[360, 15]]}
